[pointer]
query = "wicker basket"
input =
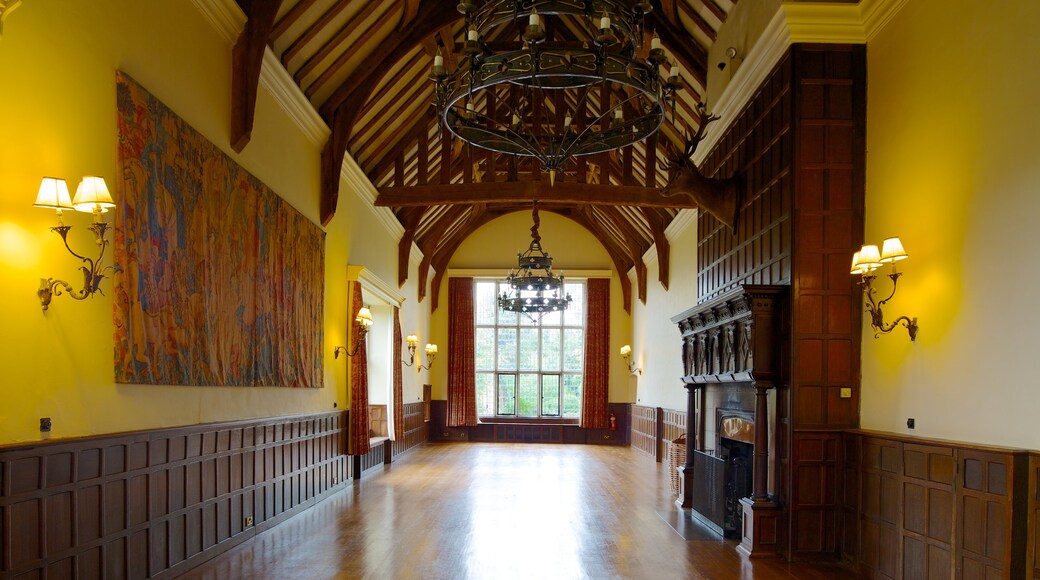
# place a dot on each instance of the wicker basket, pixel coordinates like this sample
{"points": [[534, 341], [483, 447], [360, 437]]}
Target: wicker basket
{"points": [[676, 457]]}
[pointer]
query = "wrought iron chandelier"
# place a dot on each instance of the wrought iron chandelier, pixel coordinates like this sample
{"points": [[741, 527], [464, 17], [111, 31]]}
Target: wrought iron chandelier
{"points": [[549, 98], [534, 289]]}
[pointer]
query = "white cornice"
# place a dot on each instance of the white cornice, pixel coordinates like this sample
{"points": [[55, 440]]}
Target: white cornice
{"points": [[363, 188], [224, 16], [794, 22], [501, 272], [374, 285], [680, 222], [650, 256], [291, 99]]}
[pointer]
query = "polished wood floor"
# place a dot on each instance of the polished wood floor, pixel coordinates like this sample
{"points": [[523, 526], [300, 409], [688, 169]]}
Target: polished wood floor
{"points": [[495, 511]]}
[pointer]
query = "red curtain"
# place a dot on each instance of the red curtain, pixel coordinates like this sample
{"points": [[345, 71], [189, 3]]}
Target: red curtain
{"points": [[462, 388], [398, 379], [597, 356], [359, 423]]}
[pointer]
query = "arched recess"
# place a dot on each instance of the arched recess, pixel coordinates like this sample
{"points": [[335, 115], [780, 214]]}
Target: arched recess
{"points": [[444, 251]]}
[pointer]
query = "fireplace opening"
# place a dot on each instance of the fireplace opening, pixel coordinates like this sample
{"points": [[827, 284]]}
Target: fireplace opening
{"points": [[738, 483]]}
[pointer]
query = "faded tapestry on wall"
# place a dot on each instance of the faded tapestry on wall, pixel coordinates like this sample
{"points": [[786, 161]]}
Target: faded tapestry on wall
{"points": [[218, 280]]}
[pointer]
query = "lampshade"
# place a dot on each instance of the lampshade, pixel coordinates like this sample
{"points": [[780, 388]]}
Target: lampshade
{"points": [[364, 317], [869, 258], [855, 265], [412, 339], [431, 349], [54, 193], [892, 251], [92, 194], [626, 350]]}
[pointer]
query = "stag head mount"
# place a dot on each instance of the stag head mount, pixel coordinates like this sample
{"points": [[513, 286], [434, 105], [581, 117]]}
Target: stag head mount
{"points": [[719, 197]]}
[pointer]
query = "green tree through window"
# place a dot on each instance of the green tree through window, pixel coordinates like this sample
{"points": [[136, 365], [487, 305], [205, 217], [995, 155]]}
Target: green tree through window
{"points": [[528, 368]]}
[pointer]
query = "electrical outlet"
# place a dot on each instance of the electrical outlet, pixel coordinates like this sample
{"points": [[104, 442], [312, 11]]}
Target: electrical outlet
{"points": [[846, 392], [249, 522], [910, 423], [45, 424]]}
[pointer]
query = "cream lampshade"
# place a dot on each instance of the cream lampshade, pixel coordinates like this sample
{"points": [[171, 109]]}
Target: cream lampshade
{"points": [[431, 349], [412, 340], [364, 317], [892, 251], [53, 194], [869, 258], [92, 196], [626, 350]]}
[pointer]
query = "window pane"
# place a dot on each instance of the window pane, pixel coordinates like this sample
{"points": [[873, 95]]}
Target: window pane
{"points": [[485, 349], [528, 349], [550, 349], [505, 318], [507, 349], [552, 319], [573, 349], [575, 313], [485, 394], [527, 395], [506, 394], [485, 303], [551, 395], [571, 395]]}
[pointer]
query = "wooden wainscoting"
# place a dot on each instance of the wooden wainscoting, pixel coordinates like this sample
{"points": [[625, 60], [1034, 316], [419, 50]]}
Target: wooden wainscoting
{"points": [[532, 432], [653, 428], [158, 502], [936, 509], [416, 431], [644, 430]]}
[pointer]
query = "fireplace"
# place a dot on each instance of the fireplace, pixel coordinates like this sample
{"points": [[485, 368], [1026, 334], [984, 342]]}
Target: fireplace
{"points": [[733, 348]]}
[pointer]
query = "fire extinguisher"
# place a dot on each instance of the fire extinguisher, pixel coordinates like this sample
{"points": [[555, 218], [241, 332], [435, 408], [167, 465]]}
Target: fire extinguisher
{"points": [[613, 421]]}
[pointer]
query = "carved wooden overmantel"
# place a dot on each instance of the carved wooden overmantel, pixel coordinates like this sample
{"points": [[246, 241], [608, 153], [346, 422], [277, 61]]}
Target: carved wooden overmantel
{"points": [[741, 339]]}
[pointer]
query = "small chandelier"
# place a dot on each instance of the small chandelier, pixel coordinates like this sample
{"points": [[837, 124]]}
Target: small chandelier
{"points": [[555, 99], [534, 289]]}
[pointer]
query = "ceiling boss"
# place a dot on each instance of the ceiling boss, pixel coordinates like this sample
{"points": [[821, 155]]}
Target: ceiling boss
{"points": [[554, 80]]}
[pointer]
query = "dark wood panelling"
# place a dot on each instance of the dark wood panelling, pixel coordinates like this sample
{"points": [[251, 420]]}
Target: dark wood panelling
{"points": [[673, 424], [156, 503], [644, 430], [936, 509], [532, 432], [1033, 533], [759, 144], [416, 431]]}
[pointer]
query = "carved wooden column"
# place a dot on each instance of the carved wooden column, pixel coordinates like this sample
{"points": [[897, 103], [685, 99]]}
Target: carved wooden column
{"points": [[686, 470], [759, 536]]}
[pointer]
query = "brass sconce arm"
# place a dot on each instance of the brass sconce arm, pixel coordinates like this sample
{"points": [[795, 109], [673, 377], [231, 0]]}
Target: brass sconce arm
{"points": [[361, 325], [626, 354], [431, 355], [864, 263], [412, 341], [877, 317], [92, 271]]}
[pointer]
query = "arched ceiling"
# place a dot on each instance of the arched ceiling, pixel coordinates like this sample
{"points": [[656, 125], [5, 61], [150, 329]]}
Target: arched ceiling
{"points": [[364, 65]]}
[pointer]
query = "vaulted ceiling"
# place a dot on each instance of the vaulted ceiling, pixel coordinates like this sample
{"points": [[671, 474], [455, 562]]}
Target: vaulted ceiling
{"points": [[364, 65]]}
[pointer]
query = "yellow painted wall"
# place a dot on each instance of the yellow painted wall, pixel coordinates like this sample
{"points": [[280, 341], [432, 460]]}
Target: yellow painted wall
{"points": [[57, 63], [953, 168], [656, 342], [495, 245]]}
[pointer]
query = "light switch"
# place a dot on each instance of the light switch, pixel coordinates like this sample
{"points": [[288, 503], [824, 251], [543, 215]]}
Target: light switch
{"points": [[846, 392]]}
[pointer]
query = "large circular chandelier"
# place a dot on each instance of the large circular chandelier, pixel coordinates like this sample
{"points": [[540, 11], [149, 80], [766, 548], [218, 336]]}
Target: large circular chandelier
{"points": [[554, 98], [533, 288]]}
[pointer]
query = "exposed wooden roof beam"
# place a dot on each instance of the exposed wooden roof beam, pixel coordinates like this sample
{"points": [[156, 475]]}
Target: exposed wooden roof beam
{"points": [[411, 10], [521, 191], [247, 58], [341, 109], [657, 225], [689, 54], [409, 218], [294, 15], [699, 20]]}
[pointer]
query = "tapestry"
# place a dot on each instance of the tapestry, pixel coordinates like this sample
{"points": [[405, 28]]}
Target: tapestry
{"points": [[218, 281]]}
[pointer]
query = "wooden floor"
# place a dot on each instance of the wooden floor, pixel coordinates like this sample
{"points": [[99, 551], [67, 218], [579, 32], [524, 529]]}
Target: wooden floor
{"points": [[491, 511]]}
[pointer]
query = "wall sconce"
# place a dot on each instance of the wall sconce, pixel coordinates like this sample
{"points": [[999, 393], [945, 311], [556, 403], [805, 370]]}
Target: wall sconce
{"points": [[412, 341], [92, 196], [865, 262], [626, 353], [431, 353], [361, 325]]}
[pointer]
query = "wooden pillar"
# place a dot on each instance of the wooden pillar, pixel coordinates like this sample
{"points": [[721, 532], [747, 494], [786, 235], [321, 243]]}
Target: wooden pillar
{"points": [[686, 471], [759, 537]]}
